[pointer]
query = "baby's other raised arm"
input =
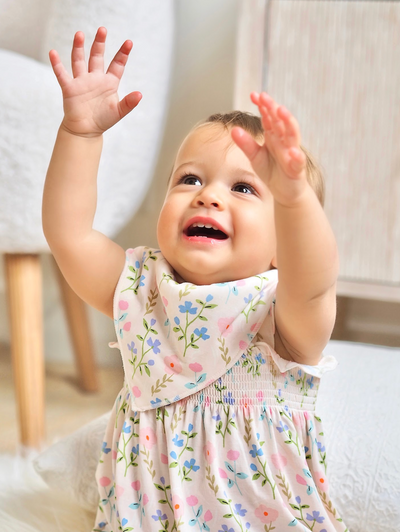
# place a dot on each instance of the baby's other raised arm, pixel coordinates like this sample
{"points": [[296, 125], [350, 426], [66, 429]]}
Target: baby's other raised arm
{"points": [[90, 262], [307, 257]]}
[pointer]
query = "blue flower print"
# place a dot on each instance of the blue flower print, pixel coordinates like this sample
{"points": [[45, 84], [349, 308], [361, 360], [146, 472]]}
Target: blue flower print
{"points": [[156, 401], [124, 522], [253, 467], [150, 363], [177, 441], [154, 344], [131, 348], [191, 464], [190, 427], [209, 298], [226, 529], [104, 448], [256, 452], [282, 427], [152, 322], [102, 525], [142, 278], [217, 417], [159, 516], [202, 333], [315, 517], [310, 382], [177, 320], [248, 299], [135, 449], [229, 399], [239, 510], [321, 448], [137, 264], [187, 307], [173, 455], [126, 428], [298, 500]]}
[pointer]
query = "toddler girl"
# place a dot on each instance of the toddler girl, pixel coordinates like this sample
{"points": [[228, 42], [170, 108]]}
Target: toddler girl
{"points": [[214, 427]]}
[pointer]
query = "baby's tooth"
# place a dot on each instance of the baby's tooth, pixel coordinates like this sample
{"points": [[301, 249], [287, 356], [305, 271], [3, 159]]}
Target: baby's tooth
{"points": [[208, 226]]}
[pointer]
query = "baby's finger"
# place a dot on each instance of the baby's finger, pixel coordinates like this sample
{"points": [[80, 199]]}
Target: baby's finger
{"points": [[297, 160], [78, 55], [96, 58], [58, 68], [255, 97], [257, 155], [117, 65], [292, 130], [128, 103], [277, 127]]}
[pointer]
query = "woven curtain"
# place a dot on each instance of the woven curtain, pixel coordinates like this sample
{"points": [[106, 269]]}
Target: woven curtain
{"points": [[336, 66]]}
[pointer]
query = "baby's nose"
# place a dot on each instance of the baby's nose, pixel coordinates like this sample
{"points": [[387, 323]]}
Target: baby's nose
{"points": [[210, 197]]}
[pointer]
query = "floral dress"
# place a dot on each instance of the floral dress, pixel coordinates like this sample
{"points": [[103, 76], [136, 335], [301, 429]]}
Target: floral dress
{"points": [[212, 429]]}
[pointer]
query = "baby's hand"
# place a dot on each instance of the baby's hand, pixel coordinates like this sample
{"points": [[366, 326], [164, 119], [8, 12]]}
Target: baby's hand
{"points": [[91, 102], [279, 161]]}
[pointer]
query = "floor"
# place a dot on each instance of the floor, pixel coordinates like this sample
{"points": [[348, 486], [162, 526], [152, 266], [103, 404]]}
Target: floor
{"points": [[67, 408]]}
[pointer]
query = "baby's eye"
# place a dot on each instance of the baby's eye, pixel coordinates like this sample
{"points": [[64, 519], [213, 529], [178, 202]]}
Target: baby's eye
{"points": [[243, 188], [190, 180]]}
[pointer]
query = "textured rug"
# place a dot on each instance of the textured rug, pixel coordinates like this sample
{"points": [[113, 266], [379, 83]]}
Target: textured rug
{"points": [[27, 504]]}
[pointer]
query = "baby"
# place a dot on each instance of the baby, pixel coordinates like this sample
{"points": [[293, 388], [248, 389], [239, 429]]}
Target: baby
{"points": [[214, 427]]}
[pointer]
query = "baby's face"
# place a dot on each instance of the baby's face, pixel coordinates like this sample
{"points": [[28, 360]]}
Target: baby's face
{"points": [[217, 221]]}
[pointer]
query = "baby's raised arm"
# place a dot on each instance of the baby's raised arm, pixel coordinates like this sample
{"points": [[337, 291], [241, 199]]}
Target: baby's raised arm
{"points": [[90, 262], [307, 257]]}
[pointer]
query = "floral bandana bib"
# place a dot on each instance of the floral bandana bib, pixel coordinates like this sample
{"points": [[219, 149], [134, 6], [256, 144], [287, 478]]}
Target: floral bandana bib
{"points": [[177, 338]]}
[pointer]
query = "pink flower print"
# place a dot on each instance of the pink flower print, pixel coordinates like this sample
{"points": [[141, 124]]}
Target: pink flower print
{"points": [[172, 364], [233, 455], [301, 480], [260, 396], [265, 514], [192, 500], [177, 505], [114, 455], [136, 485], [255, 326], [209, 452], [245, 401], [321, 481], [222, 473], [104, 481], [298, 419], [164, 458], [207, 401], [127, 326], [136, 392], [225, 325], [279, 460], [119, 490], [306, 415], [147, 437], [145, 499], [165, 301], [196, 367], [241, 282], [123, 305], [243, 345], [130, 251], [208, 516]]}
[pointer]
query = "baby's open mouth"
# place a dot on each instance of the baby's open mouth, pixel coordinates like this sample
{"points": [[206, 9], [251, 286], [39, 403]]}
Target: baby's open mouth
{"points": [[206, 231]]}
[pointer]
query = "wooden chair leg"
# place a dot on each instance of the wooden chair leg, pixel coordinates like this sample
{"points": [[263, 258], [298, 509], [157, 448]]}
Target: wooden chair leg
{"points": [[24, 291], [79, 329]]}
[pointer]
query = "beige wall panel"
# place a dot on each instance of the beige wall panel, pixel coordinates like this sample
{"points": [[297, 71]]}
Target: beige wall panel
{"points": [[336, 66]]}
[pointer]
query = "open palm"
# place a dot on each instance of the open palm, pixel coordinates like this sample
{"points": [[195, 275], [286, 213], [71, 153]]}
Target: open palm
{"points": [[91, 101]]}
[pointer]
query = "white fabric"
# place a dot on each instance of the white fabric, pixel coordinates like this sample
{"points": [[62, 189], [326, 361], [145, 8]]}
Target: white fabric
{"points": [[31, 108], [358, 403]]}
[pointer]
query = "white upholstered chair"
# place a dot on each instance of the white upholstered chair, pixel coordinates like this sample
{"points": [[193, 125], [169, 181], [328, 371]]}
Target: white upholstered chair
{"points": [[30, 112]]}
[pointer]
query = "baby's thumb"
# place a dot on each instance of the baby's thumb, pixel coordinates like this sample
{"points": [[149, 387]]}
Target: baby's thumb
{"points": [[128, 103]]}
